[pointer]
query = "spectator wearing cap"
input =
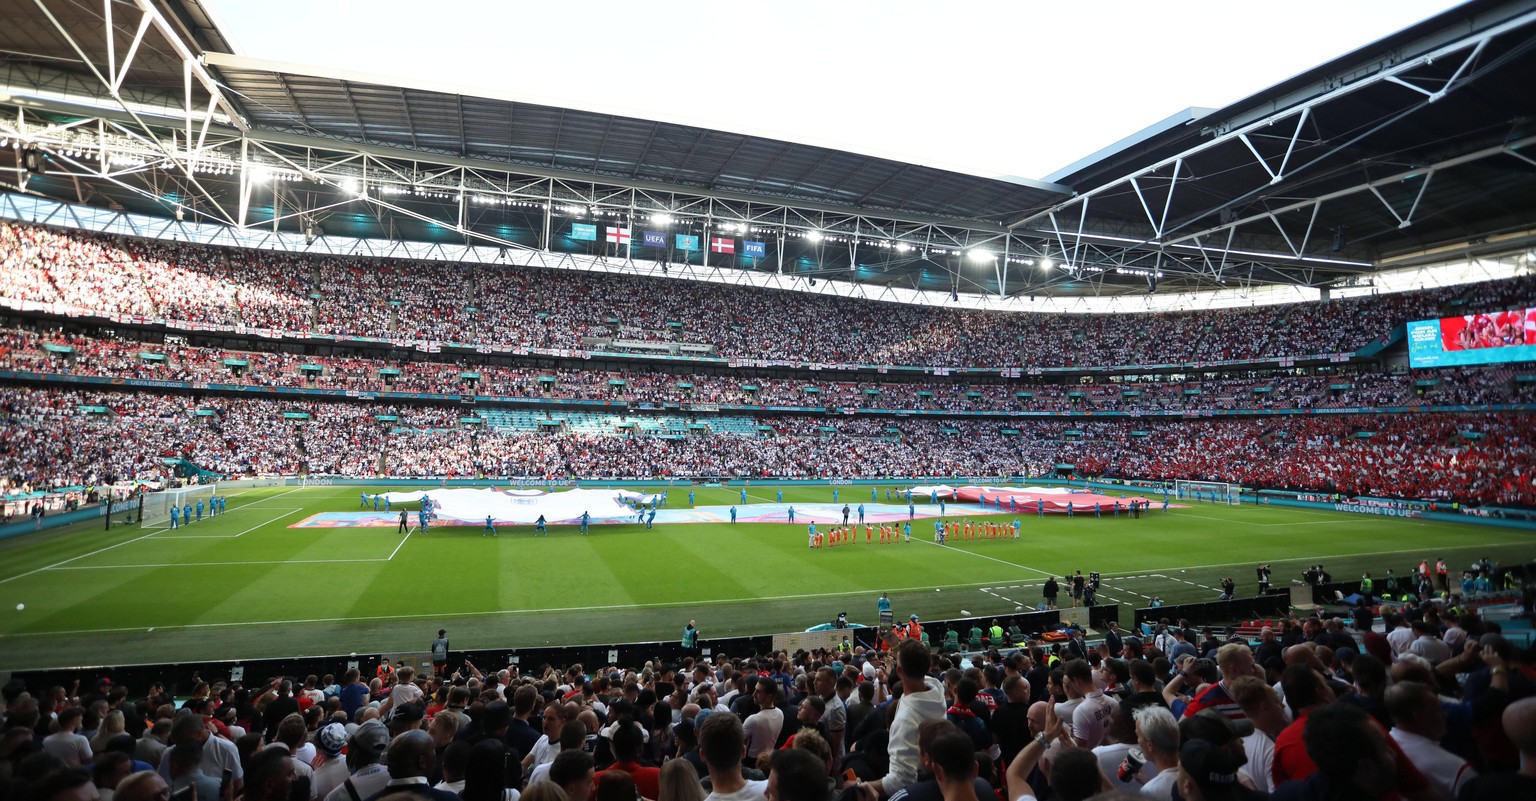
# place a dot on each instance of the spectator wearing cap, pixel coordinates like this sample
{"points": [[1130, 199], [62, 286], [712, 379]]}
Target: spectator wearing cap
{"points": [[1209, 772], [407, 717], [330, 768], [411, 759], [365, 750], [1418, 726], [628, 740]]}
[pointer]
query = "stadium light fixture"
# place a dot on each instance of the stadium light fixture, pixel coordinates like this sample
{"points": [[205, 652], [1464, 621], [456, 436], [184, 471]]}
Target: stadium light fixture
{"points": [[349, 186], [814, 236], [1046, 263], [261, 175], [661, 219], [981, 255]]}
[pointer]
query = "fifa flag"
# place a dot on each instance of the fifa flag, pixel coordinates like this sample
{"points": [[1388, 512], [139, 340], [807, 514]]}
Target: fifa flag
{"points": [[655, 239], [754, 249], [584, 231], [618, 236], [687, 242], [722, 244]]}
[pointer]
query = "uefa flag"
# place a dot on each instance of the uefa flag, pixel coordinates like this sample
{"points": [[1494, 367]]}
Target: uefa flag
{"points": [[755, 249], [655, 239], [618, 236], [687, 242], [722, 244], [584, 231]]}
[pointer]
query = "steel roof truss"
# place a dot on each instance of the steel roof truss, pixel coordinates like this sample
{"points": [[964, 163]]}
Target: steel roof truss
{"points": [[1405, 220]]}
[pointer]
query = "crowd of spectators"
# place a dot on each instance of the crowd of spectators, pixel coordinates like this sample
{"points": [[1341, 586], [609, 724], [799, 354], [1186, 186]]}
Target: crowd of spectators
{"points": [[55, 438], [26, 349], [1430, 702], [526, 307]]}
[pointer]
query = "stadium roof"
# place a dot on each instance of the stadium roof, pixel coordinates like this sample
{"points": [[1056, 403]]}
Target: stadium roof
{"points": [[1409, 148]]}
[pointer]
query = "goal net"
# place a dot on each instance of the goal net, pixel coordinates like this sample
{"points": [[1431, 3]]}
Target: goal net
{"points": [[157, 505], [1215, 491]]}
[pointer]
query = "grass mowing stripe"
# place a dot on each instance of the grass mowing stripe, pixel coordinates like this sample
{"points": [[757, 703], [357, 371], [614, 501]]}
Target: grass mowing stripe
{"points": [[627, 583]]}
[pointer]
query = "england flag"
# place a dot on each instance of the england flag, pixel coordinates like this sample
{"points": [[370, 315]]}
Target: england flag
{"points": [[618, 236]]}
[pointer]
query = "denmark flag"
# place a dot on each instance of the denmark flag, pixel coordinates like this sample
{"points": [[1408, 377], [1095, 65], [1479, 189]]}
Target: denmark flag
{"points": [[721, 244]]}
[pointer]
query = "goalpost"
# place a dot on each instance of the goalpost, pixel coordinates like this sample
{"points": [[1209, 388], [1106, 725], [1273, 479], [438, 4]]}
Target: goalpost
{"points": [[157, 505], [1216, 491]]}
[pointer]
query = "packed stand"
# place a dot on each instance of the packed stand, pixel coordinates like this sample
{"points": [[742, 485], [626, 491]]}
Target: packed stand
{"points": [[1438, 704], [527, 307]]}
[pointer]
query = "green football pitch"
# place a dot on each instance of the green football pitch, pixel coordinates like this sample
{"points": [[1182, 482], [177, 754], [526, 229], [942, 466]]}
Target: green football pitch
{"points": [[247, 585]]}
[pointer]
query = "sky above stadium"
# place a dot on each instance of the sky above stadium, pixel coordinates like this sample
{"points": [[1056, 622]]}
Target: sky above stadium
{"points": [[1007, 88]]}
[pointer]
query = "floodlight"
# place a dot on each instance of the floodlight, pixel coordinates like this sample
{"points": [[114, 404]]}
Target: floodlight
{"points": [[980, 255], [661, 219], [261, 175], [1046, 263], [814, 236]]}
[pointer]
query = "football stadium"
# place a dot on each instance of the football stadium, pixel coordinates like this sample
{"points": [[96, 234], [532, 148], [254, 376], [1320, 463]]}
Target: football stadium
{"points": [[336, 406]]}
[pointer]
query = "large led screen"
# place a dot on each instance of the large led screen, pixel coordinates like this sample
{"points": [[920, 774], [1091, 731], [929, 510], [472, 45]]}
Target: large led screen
{"points": [[1490, 338]]}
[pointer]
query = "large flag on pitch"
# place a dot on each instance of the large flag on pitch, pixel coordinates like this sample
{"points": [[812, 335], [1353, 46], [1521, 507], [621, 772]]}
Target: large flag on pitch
{"points": [[757, 249], [722, 244], [687, 242], [584, 231], [618, 236], [655, 239]]}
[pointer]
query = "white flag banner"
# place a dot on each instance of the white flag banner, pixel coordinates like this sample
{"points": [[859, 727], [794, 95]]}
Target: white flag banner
{"points": [[525, 506]]}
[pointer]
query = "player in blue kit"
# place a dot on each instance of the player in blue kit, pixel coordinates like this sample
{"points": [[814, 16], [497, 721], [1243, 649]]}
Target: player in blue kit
{"points": [[175, 517]]}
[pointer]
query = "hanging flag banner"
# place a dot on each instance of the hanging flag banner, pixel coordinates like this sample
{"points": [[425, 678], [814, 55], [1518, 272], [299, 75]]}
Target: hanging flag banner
{"points": [[584, 231], [755, 249], [618, 236], [687, 242], [721, 244], [655, 239]]}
